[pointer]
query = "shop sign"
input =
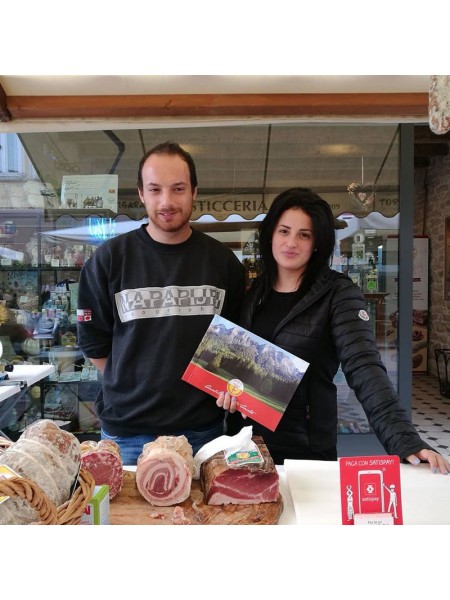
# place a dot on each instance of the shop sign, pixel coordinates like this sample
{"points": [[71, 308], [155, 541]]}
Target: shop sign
{"points": [[247, 206]]}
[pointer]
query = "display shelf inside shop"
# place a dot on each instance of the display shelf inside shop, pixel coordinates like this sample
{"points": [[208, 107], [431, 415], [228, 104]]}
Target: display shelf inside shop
{"points": [[69, 396]]}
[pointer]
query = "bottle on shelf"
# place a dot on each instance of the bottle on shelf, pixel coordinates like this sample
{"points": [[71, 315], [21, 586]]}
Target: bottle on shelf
{"points": [[358, 250], [371, 281]]}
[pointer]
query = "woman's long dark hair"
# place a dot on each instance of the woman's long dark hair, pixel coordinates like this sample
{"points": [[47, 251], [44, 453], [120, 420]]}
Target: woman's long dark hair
{"points": [[324, 236]]}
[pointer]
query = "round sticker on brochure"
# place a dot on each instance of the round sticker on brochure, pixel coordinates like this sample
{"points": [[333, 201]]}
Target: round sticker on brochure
{"points": [[363, 315], [235, 387]]}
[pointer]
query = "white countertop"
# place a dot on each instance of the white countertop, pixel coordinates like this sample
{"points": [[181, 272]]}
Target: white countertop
{"points": [[314, 487], [30, 374]]}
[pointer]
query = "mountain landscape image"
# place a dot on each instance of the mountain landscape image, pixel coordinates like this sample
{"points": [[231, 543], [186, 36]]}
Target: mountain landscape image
{"points": [[228, 350]]}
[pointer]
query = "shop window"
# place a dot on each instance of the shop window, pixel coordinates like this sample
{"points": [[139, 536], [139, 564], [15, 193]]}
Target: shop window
{"points": [[11, 156], [447, 260], [48, 234]]}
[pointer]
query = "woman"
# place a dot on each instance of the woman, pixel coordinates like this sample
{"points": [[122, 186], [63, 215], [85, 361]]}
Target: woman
{"points": [[318, 314]]}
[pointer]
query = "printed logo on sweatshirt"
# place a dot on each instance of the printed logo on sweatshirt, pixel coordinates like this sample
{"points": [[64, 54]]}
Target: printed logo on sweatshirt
{"points": [[170, 301], [363, 315]]}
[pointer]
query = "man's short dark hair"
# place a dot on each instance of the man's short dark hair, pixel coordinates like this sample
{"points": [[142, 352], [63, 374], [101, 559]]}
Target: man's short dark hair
{"points": [[173, 149]]}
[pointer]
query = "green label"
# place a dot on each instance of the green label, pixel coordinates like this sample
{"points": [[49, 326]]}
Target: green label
{"points": [[245, 457]]}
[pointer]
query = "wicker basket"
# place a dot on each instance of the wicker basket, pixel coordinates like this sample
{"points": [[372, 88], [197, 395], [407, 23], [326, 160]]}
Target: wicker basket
{"points": [[69, 513]]}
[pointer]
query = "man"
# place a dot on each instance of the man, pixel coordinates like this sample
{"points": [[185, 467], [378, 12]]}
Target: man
{"points": [[145, 301]]}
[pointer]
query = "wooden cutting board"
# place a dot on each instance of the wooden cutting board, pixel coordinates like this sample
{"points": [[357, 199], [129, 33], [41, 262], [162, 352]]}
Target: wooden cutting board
{"points": [[130, 508]]}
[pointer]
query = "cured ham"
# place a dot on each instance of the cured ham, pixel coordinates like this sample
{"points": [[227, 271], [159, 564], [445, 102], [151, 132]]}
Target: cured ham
{"points": [[244, 484], [103, 461], [48, 456], [164, 470]]}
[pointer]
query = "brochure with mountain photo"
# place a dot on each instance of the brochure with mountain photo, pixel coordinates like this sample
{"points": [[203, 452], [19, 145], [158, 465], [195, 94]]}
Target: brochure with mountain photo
{"points": [[260, 375]]}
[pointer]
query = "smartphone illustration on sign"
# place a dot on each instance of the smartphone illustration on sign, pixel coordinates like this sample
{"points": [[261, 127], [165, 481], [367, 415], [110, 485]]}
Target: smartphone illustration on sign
{"points": [[370, 491]]}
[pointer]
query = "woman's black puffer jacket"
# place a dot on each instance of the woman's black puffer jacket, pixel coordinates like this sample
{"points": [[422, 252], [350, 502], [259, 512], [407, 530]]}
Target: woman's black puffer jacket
{"points": [[328, 326]]}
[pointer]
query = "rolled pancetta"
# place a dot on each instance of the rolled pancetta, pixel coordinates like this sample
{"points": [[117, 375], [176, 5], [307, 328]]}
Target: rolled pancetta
{"points": [[164, 470]]}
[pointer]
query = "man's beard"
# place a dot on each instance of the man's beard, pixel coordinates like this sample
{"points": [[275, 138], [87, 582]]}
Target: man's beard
{"points": [[169, 227]]}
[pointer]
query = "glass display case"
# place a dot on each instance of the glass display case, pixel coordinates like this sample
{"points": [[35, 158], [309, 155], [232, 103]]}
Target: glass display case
{"points": [[38, 299]]}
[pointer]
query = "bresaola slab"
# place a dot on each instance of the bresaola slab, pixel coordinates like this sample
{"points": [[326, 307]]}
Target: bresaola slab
{"points": [[245, 484], [164, 470]]}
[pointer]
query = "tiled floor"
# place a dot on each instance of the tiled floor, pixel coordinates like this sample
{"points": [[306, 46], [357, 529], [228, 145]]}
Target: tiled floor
{"points": [[431, 413]]}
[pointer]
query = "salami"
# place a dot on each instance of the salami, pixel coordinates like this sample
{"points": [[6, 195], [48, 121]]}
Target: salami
{"points": [[48, 456], [103, 461], [164, 470], [439, 104]]}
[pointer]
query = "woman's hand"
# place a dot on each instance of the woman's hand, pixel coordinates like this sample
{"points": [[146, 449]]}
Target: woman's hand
{"points": [[227, 402], [437, 462]]}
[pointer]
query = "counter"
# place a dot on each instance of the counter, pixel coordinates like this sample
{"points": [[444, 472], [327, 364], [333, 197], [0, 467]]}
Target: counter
{"points": [[10, 395], [29, 374], [314, 487], [311, 494]]}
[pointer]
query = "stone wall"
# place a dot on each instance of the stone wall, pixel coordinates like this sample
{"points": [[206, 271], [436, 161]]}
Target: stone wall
{"points": [[431, 208]]}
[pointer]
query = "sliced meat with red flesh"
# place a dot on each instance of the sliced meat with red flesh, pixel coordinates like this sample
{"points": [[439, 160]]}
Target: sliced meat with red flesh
{"points": [[244, 484], [164, 470], [103, 461], [241, 486]]}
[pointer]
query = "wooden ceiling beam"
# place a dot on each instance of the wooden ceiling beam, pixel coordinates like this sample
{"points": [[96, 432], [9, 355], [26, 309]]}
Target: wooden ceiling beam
{"points": [[401, 105]]}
